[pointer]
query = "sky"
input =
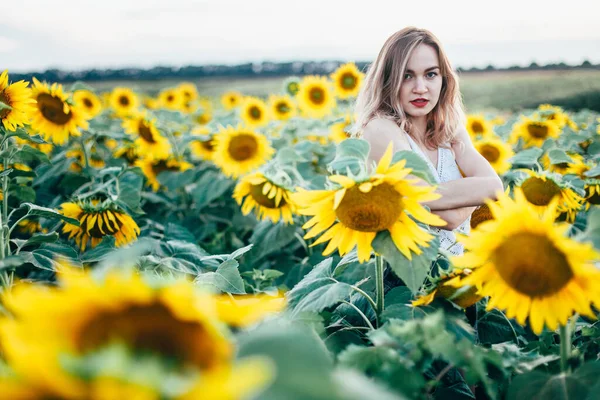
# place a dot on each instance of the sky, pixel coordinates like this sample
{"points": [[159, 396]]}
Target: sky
{"points": [[74, 35]]}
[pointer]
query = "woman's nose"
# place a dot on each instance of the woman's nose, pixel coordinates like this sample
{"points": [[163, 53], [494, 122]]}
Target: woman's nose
{"points": [[420, 86]]}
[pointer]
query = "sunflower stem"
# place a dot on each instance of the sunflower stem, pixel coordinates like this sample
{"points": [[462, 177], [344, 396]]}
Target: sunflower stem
{"points": [[565, 347], [379, 286]]}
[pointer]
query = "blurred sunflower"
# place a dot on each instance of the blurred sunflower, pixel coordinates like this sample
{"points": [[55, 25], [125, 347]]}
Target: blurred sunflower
{"points": [[16, 103], [291, 85], [88, 102], [554, 114], [526, 265], [541, 188], [151, 168], [339, 131], [203, 147], [203, 114], [45, 148], [347, 80], [231, 100], [97, 220], [592, 192], [149, 142], [95, 160], [478, 126], [254, 112], [30, 227], [315, 96], [54, 117], [240, 150], [282, 107], [353, 214], [534, 132], [481, 214], [270, 200], [124, 101], [171, 99], [188, 91], [564, 167], [128, 152], [442, 287], [496, 152]]}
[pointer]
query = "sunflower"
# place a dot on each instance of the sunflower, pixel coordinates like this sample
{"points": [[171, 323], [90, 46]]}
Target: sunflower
{"points": [[347, 80], [88, 102], [30, 227], [592, 192], [312, 137], [565, 167], [357, 211], [231, 100], [128, 152], [18, 100], [150, 103], [554, 114], [534, 132], [123, 101], [291, 85], [254, 112], [526, 265], [204, 113], [97, 220], [245, 310], [45, 148], [188, 91], [478, 126], [240, 150], [94, 159], [171, 99], [442, 287], [170, 320], [54, 117], [282, 107], [496, 152], [271, 200], [339, 130], [315, 96], [203, 147], [541, 188], [149, 142], [151, 168]]}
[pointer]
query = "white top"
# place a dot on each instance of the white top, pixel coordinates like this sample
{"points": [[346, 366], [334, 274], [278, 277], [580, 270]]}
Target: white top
{"points": [[447, 170]]}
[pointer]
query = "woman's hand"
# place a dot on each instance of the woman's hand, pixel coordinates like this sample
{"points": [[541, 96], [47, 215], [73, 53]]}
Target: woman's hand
{"points": [[455, 217]]}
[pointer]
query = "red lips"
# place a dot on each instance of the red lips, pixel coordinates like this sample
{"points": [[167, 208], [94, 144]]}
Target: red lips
{"points": [[419, 102]]}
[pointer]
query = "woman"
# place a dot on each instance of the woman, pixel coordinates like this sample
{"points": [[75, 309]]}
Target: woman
{"points": [[411, 98]]}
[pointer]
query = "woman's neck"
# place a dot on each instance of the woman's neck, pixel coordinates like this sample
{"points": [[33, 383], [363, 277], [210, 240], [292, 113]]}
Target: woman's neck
{"points": [[418, 128]]}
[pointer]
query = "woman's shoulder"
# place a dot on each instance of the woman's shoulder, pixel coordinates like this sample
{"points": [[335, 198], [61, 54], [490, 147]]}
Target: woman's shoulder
{"points": [[380, 132]]}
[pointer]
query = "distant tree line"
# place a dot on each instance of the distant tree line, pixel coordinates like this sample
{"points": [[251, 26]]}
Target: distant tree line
{"points": [[264, 69]]}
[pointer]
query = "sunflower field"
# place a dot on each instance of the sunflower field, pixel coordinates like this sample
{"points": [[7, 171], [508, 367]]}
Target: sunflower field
{"points": [[171, 245]]}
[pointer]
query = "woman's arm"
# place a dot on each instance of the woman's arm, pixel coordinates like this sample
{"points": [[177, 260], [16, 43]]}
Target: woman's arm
{"points": [[481, 182], [455, 217]]}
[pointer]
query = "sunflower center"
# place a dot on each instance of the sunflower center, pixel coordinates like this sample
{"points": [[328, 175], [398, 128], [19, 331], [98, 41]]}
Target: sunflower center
{"points": [[481, 214], [283, 107], [110, 226], [317, 95], [477, 127], [163, 166], [242, 147], [490, 153], [592, 194], [145, 132], [124, 101], [538, 131], [170, 98], [540, 192], [538, 269], [52, 108], [255, 112], [374, 211], [152, 328], [88, 103], [262, 199], [6, 100], [348, 81]]}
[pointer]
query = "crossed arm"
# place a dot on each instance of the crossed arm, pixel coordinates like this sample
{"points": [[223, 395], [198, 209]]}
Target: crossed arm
{"points": [[459, 197]]}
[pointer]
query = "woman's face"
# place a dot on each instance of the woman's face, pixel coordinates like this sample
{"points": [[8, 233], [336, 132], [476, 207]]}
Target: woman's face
{"points": [[422, 82]]}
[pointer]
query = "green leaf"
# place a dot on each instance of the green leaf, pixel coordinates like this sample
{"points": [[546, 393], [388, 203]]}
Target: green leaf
{"points": [[527, 157], [398, 306], [28, 154], [494, 327], [23, 193], [22, 134], [287, 155], [559, 156], [593, 173], [210, 187], [412, 272], [269, 238], [226, 278], [130, 186], [325, 293], [301, 360], [536, 385], [351, 153], [100, 252], [420, 167], [592, 231], [175, 231], [5, 172], [50, 255], [13, 261], [39, 238], [174, 180], [49, 213], [356, 386], [182, 256]]}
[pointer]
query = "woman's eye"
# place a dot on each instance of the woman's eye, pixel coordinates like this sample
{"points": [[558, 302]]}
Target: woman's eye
{"points": [[432, 74], [406, 76]]}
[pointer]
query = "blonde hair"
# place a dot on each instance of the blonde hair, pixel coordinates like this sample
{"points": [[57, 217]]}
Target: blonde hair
{"points": [[380, 93]]}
